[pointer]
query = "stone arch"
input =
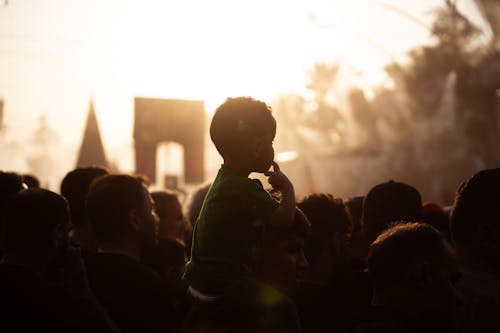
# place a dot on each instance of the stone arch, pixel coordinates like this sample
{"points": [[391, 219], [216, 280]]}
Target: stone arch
{"points": [[161, 120]]}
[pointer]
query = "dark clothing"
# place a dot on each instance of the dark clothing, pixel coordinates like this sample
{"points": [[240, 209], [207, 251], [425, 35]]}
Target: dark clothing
{"points": [[233, 214], [29, 303], [352, 285], [251, 306], [321, 310], [385, 320], [134, 296], [481, 302]]}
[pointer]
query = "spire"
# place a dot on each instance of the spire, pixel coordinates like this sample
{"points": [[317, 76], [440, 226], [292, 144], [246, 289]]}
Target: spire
{"points": [[91, 150]]}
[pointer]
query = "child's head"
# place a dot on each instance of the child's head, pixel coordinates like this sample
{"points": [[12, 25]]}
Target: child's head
{"points": [[243, 130]]}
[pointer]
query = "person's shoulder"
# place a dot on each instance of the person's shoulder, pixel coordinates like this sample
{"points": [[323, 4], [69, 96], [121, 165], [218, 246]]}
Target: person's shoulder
{"points": [[261, 295], [111, 264]]}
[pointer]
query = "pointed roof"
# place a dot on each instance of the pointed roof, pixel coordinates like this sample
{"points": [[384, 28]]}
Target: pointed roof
{"points": [[92, 149]]}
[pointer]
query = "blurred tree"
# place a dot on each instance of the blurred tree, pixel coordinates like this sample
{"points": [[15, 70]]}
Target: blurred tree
{"points": [[437, 124]]}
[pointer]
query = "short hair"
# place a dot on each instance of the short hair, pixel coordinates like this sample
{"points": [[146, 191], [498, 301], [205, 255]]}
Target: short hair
{"points": [[398, 248], [31, 181], [32, 215], [110, 200], [327, 215], [74, 188], [355, 207], [435, 215], [476, 202], [238, 120], [389, 202], [10, 184], [162, 199]]}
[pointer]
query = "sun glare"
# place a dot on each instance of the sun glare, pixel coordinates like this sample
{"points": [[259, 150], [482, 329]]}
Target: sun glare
{"points": [[112, 51]]}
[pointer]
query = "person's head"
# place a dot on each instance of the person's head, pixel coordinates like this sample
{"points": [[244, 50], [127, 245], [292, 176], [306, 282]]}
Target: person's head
{"points": [[280, 258], [390, 202], [357, 242], [31, 181], [74, 188], [414, 269], [121, 209], [243, 130], [475, 218], [10, 184], [169, 210], [330, 228], [435, 215], [36, 224]]}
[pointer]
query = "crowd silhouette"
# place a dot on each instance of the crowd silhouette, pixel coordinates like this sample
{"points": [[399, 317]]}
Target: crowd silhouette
{"points": [[108, 254]]}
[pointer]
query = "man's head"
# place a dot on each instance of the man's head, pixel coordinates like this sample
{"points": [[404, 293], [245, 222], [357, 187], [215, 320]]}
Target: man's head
{"points": [[10, 184], [169, 210], [389, 202], [475, 218], [243, 130], [330, 228], [36, 224], [280, 260], [414, 270], [120, 208], [31, 181], [74, 188]]}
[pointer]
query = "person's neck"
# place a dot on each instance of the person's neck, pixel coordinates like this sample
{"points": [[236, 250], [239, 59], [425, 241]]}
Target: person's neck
{"points": [[123, 247], [238, 167], [34, 263]]}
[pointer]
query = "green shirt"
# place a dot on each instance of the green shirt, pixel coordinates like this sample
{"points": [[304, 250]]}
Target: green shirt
{"points": [[228, 228]]}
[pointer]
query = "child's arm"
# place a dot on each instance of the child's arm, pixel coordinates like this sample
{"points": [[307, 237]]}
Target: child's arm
{"points": [[284, 214]]}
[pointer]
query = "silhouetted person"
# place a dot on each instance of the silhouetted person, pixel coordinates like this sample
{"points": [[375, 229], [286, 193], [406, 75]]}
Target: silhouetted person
{"points": [[261, 301], [193, 208], [330, 287], [169, 210], [236, 207], [31, 181], [389, 202], [43, 285], [74, 188], [435, 215], [121, 211], [357, 242], [414, 274], [10, 184], [475, 229]]}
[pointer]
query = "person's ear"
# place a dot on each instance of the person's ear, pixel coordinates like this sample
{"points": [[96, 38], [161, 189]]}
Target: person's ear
{"points": [[257, 146]]}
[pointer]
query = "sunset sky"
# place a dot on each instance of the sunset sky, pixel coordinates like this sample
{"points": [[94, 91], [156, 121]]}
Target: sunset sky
{"points": [[55, 55]]}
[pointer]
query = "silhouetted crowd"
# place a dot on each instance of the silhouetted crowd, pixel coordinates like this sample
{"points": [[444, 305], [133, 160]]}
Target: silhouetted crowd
{"points": [[107, 254]]}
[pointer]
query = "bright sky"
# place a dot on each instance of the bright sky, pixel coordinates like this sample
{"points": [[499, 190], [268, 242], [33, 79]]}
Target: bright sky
{"points": [[57, 54]]}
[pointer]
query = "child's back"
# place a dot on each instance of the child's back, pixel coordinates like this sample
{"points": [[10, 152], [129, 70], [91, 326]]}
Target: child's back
{"points": [[236, 207]]}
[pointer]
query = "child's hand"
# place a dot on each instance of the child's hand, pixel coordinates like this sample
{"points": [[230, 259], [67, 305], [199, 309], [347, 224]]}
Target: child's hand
{"points": [[284, 214], [278, 180]]}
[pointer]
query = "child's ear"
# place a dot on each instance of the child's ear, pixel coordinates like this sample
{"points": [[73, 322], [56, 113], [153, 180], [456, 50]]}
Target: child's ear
{"points": [[257, 146]]}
